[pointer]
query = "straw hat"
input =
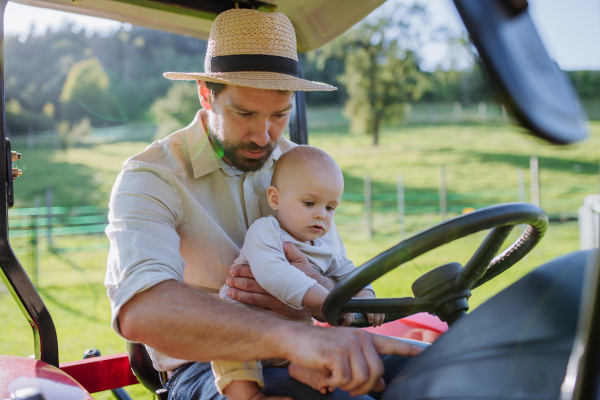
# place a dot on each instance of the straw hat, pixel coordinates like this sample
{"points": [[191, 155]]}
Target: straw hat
{"points": [[254, 49]]}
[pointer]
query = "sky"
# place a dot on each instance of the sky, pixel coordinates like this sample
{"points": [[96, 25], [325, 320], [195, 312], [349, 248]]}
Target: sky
{"points": [[570, 29]]}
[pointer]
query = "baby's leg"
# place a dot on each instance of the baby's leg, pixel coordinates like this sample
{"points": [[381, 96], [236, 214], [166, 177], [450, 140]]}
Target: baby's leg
{"points": [[310, 377], [238, 379]]}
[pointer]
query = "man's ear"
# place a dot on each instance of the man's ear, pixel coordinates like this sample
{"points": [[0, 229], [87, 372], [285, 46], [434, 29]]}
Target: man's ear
{"points": [[204, 95], [273, 197]]}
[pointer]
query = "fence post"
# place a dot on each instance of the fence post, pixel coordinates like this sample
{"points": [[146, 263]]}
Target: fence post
{"points": [[37, 204], [401, 211], [369, 204], [432, 114], [407, 113], [535, 182], [30, 139], [457, 111], [443, 199], [482, 108], [521, 185], [56, 139], [49, 217], [504, 114]]}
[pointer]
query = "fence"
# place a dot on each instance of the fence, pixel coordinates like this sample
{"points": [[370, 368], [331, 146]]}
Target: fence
{"points": [[589, 222], [559, 202], [49, 139], [59, 230], [419, 113], [29, 226]]}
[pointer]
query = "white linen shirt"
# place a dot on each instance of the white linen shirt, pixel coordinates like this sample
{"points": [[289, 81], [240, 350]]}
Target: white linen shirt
{"points": [[177, 211]]}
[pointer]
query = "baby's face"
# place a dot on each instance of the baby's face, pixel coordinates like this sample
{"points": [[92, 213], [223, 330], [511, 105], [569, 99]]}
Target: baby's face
{"points": [[307, 204]]}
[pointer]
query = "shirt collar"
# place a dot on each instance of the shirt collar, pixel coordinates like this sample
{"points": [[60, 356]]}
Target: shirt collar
{"points": [[203, 157]]}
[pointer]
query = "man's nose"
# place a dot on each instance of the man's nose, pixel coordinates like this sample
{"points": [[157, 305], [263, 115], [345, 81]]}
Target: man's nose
{"points": [[261, 136]]}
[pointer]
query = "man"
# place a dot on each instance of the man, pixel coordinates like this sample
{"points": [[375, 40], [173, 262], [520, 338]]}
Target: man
{"points": [[179, 212]]}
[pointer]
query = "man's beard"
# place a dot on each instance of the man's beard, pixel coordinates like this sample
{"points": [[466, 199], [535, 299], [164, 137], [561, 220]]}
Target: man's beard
{"points": [[233, 153]]}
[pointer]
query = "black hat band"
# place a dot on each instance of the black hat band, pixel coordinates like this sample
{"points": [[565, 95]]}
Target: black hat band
{"points": [[254, 62]]}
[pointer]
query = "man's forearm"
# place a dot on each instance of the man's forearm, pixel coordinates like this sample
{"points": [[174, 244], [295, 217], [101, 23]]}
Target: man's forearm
{"points": [[209, 329], [185, 323]]}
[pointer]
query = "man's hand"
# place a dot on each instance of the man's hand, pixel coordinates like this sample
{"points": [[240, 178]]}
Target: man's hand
{"points": [[245, 289], [299, 260], [346, 358]]}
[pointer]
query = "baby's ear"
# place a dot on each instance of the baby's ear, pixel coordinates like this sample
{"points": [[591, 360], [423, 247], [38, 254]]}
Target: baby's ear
{"points": [[273, 197]]}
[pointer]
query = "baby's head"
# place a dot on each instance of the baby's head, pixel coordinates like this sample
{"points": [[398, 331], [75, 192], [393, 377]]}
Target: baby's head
{"points": [[306, 188]]}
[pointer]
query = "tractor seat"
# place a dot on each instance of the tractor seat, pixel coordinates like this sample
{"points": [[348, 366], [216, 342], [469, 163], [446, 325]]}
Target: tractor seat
{"points": [[142, 368], [514, 346]]}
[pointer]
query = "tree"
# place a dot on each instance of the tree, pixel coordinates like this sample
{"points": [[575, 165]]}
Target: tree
{"points": [[381, 71], [177, 109], [134, 59], [69, 136], [86, 93]]}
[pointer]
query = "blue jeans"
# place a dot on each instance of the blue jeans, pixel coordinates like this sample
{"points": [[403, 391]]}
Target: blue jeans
{"points": [[195, 381]]}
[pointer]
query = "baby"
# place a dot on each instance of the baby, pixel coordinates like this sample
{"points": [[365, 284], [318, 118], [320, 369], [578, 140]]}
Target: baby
{"points": [[305, 191]]}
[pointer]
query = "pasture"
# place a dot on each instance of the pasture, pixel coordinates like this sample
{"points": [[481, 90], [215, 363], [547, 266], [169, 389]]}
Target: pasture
{"points": [[477, 158]]}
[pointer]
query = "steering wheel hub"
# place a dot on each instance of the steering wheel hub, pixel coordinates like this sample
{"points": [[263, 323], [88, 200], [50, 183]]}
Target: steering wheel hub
{"points": [[436, 286]]}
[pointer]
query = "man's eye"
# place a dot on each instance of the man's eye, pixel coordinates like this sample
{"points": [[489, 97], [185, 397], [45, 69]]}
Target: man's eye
{"points": [[244, 114], [309, 203], [281, 115]]}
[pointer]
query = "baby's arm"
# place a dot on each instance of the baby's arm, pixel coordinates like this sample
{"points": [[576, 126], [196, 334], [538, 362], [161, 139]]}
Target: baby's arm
{"points": [[340, 268], [315, 297], [263, 249]]}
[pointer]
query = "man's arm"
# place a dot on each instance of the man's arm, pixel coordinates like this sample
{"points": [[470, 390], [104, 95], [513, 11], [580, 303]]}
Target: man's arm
{"points": [[186, 323]]}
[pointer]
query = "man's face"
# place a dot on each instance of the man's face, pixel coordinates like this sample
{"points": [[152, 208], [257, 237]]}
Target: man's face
{"points": [[246, 124]]}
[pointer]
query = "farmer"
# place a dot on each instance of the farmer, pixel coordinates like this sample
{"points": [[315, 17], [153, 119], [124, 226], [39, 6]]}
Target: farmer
{"points": [[179, 212]]}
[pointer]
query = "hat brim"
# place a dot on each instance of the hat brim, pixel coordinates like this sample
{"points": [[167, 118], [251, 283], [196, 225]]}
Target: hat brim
{"points": [[254, 79]]}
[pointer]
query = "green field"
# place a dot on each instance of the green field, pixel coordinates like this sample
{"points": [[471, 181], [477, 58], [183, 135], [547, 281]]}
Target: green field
{"points": [[477, 158]]}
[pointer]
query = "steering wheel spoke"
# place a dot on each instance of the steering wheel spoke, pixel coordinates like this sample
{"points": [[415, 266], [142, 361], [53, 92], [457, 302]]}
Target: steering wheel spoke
{"points": [[511, 255], [405, 305], [360, 319], [477, 266]]}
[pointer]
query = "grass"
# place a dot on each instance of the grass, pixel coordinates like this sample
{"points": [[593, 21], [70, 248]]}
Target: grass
{"points": [[484, 157]]}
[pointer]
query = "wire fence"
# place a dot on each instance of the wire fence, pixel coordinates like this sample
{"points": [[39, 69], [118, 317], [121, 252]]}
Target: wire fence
{"points": [[34, 230], [553, 201]]}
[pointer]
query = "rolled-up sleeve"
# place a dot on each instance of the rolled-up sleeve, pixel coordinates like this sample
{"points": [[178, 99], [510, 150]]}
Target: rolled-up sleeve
{"points": [[263, 249], [144, 243]]}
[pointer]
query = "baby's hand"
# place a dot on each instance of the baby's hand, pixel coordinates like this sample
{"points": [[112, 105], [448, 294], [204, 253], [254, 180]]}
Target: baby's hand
{"points": [[347, 319], [376, 319]]}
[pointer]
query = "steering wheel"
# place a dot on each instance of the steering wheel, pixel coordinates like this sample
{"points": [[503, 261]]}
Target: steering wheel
{"points": [[445, 289]]}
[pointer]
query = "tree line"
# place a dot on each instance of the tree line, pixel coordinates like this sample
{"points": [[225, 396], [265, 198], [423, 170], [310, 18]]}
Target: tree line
{"points": [[73, 81]]}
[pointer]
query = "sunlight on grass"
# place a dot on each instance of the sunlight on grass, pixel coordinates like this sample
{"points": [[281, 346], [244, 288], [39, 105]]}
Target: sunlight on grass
{"points": [[477, 158]]}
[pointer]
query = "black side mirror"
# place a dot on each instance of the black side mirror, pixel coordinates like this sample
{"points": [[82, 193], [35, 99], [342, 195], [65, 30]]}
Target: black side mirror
{"points": [[532, 85]]}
